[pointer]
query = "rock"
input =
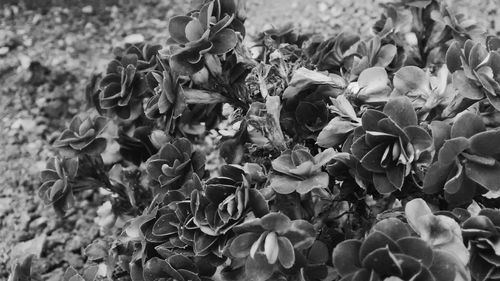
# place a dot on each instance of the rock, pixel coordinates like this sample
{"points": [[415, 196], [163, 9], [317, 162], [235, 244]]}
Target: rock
{"points": [[134, 38], [34, 247], [88, 9]]}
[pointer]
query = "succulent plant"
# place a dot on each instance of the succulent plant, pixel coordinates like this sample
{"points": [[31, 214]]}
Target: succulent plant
{"points": [[176, 267], [84, 136], [273, 37], [297, 170], [146, 54], [225, 201], [391, 146], [425, 90], [333, 53], [123, 88], [168, 99], [166, 229], [392, 252], [269, 241], [474, 71], [467, 160], [174, 164], [372, 53], [482, 233], [193, 37], [56, 186], [305, 103]]}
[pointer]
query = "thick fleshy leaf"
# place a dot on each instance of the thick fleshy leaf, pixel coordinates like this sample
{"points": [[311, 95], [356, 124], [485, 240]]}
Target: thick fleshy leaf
{"points": [[374, 85], [486, 176], [376, 240], [277, 222], [451, 149], [240, 246], [464, 195], [286, 253], [360, 148], [400, 110], [372, 160], [224, 41], [443, 267], [436, 177], [382, 184], [177, 28], [382, 260], [396, 175], [440, 132], [154, 269], [194, 30], [258, 268], [301, 233], [319, 180], [414, 211], [386, 55], [392, 227], [467, 125], [419, 138], [370, 119], [335, 132], [453, 61], [464, 86], [417, 248], [455, 179], [283, 184], [486, 143], [410, 78], [345, 257]]}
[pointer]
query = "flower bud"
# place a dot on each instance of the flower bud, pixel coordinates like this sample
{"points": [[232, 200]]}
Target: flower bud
{"points": [[271, 248]]}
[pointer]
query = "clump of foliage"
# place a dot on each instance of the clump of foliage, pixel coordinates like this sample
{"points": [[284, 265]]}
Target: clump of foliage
{"points": [[347, 158]]}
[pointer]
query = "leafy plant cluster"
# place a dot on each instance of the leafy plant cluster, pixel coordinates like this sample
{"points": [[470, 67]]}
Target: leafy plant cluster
{"points": [[345, 158]]}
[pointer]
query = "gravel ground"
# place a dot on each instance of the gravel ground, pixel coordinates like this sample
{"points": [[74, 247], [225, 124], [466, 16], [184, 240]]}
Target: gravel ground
{"points": [[50, 55]]}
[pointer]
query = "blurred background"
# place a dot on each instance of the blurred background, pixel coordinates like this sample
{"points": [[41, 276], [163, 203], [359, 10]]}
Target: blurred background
{"points": [[49, 50]]}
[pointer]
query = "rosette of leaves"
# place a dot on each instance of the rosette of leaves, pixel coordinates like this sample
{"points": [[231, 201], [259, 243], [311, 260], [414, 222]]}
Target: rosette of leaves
{"points": [[166, 228], [272, 38], [83, 136], [269, 244], [225, 201], [467, 160], [305, 102], [453, 24], [391, 252], [174, 164], [297, 170], [425, 90], [391, 146], [482, 233], [372, 53], [474, 70], [194, 38], [226, 7], [168, 99], [331, 54], [56, 180], [176, 267], [123, 87], [146, 54]]}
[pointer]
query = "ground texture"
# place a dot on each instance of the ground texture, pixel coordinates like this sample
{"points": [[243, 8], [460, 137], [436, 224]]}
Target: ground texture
{"points": [[49, 50]]}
